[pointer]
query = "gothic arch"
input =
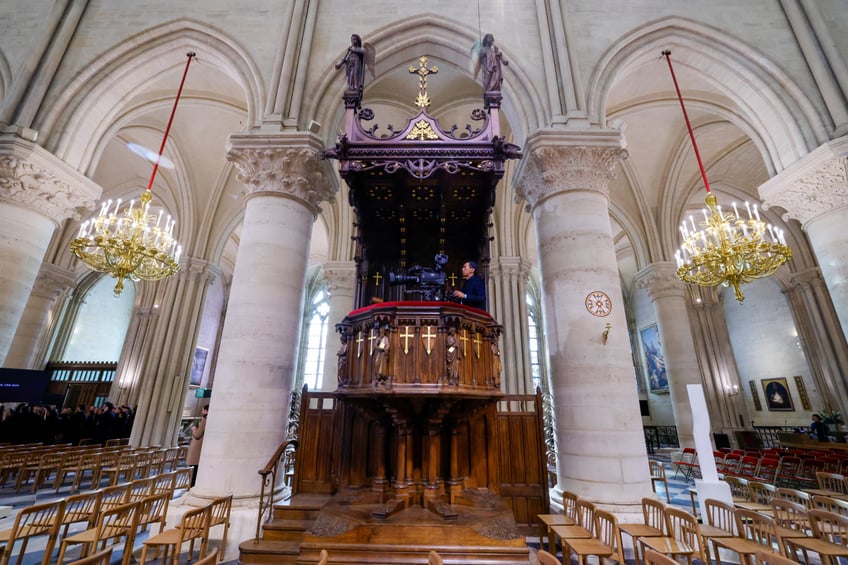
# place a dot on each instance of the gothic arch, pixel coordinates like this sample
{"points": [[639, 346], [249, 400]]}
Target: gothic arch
{"points": [[90, 103], [437, 37], [773, 105]]}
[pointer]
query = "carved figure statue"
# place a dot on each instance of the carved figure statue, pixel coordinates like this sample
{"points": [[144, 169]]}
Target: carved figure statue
{"points": [[381, 357], [488, 57], [453, 356], [342, 355], [354, 64], [496, 364]]}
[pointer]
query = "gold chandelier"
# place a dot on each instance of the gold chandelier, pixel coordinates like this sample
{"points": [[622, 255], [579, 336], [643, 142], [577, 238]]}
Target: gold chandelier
{"points": [[132, 243], [728, 249]]}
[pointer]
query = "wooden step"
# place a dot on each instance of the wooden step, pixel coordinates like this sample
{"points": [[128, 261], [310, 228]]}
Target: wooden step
{"points": [[285, 529], [298, 512], [268, 552]]}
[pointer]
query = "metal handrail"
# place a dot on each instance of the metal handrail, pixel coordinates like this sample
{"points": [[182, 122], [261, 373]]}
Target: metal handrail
{"points": [[269, 480]]}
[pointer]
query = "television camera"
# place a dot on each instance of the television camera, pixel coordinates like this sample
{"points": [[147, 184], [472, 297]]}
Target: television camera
{"points": [[428, 283]]}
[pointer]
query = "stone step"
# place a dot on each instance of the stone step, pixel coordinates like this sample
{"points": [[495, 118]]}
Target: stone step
{"points": [[268, 552]]}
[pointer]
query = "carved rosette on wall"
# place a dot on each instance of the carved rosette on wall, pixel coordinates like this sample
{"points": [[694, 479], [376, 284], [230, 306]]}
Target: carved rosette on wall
{"points": [[32, 178], [294, 171], [551, 170]]}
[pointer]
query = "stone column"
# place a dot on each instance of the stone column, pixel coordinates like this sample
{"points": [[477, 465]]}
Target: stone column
{"points": [[254, 375], [30, 343], [668, 294], [508, 304], [814, 190], [601, 448], [341, 284], [157, 356], [38, 192]]}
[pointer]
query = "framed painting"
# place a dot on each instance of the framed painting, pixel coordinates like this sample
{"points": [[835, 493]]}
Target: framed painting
{"points": [[802, 393], [197, 366], [654, 359], [777, 395], [755, 396]]}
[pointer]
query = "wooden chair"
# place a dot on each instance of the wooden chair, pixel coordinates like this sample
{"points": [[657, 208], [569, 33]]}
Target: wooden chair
{"points": [[219, 515], [829, 483], [125, 467], [653, 524], [831, 537], [432, 559], [183, 478], [758, 533], [721, 520], [49, 463], [606, 542], [118, 522], [585, 512], [546, 558], [654, 558], [683, 537], [658, 476], [81, 508], [140, 489], [738, 488], [794, 495], [114, 496], [768, 558], [835, 505], [164, 482], [100, 558], [760, 496], [194, 525], [153, 510], [32, 521]]}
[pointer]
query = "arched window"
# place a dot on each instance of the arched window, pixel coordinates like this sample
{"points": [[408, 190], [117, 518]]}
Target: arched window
{"points": [[315, 340], [535, 337]]}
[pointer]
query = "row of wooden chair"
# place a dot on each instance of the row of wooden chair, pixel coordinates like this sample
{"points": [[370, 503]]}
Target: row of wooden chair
{"points": [[583, 530], [149, 495]]}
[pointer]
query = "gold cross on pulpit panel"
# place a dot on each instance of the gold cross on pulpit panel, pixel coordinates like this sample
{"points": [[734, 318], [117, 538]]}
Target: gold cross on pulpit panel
{"points": [[405, 336], [464, 339], [377, 277], [423, 100], [372, 335], [428, 336], [359, 341], [452, 278], [477, 342]]}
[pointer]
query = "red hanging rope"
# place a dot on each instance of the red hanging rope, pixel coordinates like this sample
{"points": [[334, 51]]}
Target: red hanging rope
{"points": [[667, 55], [190, 55]]}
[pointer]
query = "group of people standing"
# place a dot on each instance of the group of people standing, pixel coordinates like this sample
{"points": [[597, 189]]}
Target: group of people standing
{"points": [[46, 424]]}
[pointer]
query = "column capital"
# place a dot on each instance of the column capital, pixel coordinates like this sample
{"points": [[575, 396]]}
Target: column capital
{"points": [[561, 161], [282, 164], [812, 186], [52, 280], [199, 268], [510, 266], [660, 280], [808, 278], [340, 277], [34, 178]]}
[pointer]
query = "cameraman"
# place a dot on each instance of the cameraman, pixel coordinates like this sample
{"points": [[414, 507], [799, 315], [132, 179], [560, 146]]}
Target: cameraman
{"points": [[473, 291]]}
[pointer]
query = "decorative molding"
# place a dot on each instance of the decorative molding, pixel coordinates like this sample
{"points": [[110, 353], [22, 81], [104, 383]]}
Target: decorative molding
{"points": [[33, 178], [52, 280], [285, 165], [815, 185], [660, 280], [194, 268], [340, 277]]}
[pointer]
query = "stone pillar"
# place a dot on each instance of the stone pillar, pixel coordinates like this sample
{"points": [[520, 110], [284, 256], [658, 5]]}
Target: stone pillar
{"points": [[601, 448], [254, 375], [30, 344], [814, 190], [38, 192], [157, 356], [341, 285], [508, 304], [668, 294]]}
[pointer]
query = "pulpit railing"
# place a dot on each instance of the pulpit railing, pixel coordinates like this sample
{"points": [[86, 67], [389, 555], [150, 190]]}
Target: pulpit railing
{"points": [[282, 459]]}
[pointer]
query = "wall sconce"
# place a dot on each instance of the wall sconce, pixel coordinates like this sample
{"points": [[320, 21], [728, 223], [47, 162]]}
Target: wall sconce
{"points": [[732, 390], [605, 335]]}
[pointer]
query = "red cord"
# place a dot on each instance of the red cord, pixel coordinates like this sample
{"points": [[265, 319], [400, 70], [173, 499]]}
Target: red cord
{"points": [[190, 56], [667, 55]]}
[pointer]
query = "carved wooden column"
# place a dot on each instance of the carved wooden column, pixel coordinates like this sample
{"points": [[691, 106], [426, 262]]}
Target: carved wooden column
{"points": [[29, 347], [254, 376], [669, 297], [601, 448], [341, 284], [38, 191], [814, 190]]}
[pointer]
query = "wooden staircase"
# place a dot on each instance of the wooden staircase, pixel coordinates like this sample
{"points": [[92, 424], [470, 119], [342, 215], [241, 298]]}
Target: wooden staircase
{"points": [[283, 533]]}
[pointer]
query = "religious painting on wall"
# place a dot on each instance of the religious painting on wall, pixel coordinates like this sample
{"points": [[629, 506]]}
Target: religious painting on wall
{"points": [[802, 393], [654, 359], [777, 395], [197, 366]]}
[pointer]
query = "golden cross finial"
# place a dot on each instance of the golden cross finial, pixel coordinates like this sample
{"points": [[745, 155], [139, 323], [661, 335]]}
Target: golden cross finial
{"points": [[423, 100], [377, 278], [477, 341]]}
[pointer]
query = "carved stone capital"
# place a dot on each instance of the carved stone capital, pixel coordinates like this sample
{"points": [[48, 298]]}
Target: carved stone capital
{"points": [[561, 162], [807, 279], [194, 268], [511, 267], [52, 280], [340, 277], [36, 179], [813, 186], [288, 165], [660, 280]]}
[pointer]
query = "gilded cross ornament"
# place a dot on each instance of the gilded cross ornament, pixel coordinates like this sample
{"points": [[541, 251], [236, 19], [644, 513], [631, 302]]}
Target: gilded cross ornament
{"points": [[477, 341], [405, 336], [428, 337], [464, 339], [372, 335], [359, 341], [452, 278], [377, 278], [422, 100]]}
